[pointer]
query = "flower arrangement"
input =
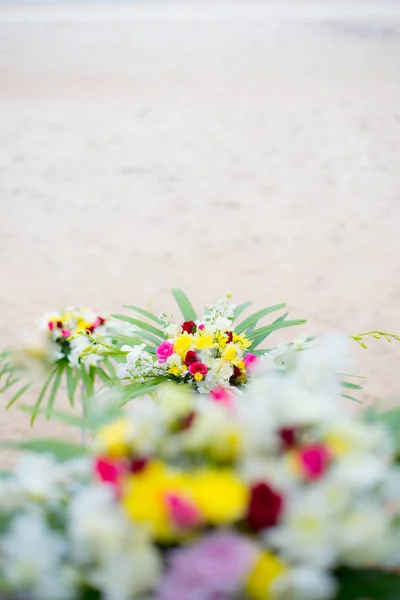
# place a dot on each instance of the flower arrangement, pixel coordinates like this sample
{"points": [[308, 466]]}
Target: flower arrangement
{"points": [[212, 354], [53, 349], [275, 494]]}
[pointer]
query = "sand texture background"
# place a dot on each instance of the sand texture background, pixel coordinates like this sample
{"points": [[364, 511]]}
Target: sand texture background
{"points": [[251, 147]]}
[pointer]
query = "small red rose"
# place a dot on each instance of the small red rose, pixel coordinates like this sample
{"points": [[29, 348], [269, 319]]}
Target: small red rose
{"points": [[189, 327], [190, 358], [198, 368], [229, 335], [265, 507]]}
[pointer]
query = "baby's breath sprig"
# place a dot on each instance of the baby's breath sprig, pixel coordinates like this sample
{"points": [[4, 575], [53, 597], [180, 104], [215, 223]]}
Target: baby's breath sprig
{"points": [[378, 335]]}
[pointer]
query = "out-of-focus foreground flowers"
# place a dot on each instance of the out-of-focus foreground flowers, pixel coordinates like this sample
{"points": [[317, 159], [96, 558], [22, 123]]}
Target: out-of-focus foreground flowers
{"points": [[275, 493]]}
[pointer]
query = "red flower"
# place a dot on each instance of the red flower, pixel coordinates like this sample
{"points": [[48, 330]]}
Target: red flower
{"points": [[187, 421], [198, 367], [59, 324], [189, 327], [229, 335], [237, 373], [190, 358], [288, 437], [265, 507], [138, 464], [314, 461]]}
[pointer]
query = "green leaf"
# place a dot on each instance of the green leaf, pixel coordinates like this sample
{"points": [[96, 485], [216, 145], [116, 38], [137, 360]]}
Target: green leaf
{"points": [[67, 418], [59, 449], [186, 308], [54, 389], [141, 325], [350, 386], [135, 390], [86, 380], [150, 338], [259, 335], [240, 308], [351, 398], [253, 319], [110, 367], [36, 407], [145, 313], [71, 385], [368, 583], [18, 395], [103, 376]]}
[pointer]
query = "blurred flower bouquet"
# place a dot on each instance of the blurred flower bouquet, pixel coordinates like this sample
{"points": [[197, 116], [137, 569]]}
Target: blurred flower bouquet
{"points": [[53, 349], [276, 494]]}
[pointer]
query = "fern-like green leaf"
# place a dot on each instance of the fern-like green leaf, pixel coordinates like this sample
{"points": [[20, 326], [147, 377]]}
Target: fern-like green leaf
{"points": [[145, 313], [141, 325], [253, 319], [185, 306]]}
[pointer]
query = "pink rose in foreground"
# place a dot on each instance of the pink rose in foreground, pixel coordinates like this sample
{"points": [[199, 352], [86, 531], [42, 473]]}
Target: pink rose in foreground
{"points": [[164, 351], [183, 513], [314, 461], [213, 569], [65, 332], [222, 396], [250, 361], [109, 471]]}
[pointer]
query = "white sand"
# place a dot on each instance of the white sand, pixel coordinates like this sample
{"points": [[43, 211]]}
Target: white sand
{"points": [[249, 147]]}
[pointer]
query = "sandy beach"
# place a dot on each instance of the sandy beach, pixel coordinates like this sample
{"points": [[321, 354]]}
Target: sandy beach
{"points": [[250, 147]]}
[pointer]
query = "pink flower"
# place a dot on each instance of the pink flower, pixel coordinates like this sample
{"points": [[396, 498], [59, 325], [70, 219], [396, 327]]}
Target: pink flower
{"points": [[51, 325], [65, 332], [201, 326], [213, 569], [314, 461], [164, 351], [250, 360], [184, 513], [109, 471], [222, 396]]}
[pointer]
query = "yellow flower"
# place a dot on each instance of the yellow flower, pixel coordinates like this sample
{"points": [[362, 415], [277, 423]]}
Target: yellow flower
{"points": [[174, 370], [198, 376], [144, 498], [183, 343], [220, 495], [204, 340], [229, 353], [227, 446], [114, 439], [241, 340], [267, 568], [338, 444]]}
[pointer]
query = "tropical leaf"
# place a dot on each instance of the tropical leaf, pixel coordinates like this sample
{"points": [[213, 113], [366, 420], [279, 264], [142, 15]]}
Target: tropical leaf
{"points": [[59, 449], [111, 369], [141, 325], [352, 398], [254, 318], [36, 407], [54, 389], [150, 338], [240, 308], [72, 382], [64, 417], [185, 306], [259, 335], [145, 313], [18, 395], [136, 390], [350, 386]]}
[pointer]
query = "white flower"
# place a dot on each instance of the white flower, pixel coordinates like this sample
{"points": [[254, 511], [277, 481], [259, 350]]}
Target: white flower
{"points": [[120, 560], [307, 532], [363, 533], [303, 583], [36, 476], [31, 558], [173, 330]]}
